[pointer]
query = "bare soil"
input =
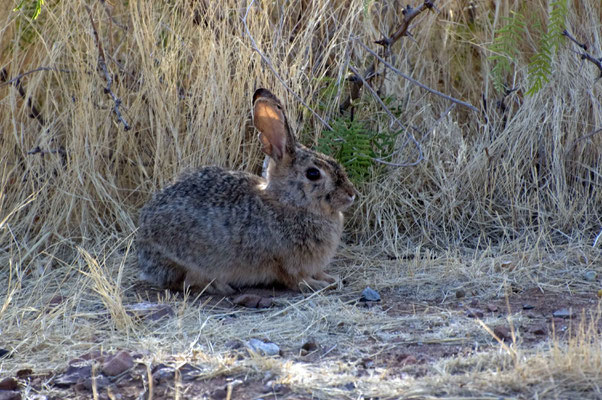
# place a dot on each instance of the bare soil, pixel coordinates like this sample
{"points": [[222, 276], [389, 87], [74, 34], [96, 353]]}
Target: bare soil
{"points": [[389, 354]]}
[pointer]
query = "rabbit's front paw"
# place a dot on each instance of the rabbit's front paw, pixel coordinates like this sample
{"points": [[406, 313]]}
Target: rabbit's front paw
{"points": [[323, 276], [315, 284]]}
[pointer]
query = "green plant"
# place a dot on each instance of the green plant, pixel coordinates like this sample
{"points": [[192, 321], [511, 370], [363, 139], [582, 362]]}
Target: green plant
{"points": [[352, 144], [540, 67], [37, 7], [505, 49]]}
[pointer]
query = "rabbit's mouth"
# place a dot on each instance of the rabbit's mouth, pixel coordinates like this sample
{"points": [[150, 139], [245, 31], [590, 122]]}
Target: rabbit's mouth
{"points": [[345, 201]]}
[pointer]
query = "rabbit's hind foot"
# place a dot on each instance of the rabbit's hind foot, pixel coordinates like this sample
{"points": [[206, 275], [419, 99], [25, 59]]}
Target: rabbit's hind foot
{"points": [[159, 271]]}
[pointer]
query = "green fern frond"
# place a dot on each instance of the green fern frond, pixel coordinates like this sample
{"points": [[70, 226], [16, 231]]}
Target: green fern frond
{"points": [[540, 67], [505, 50]]}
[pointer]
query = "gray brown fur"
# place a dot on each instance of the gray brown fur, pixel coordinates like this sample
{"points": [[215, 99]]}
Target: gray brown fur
{"points": [[219, 229]]}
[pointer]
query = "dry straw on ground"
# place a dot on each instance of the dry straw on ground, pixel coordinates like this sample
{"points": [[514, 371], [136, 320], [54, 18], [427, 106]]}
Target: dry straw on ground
{"points": [[522, 184]]}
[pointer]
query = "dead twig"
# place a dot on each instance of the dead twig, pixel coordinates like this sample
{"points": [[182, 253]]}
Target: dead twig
{"points": [[103, 66], [415, 82], [24, 74], [326, 124], [16, 82], [409, 14], [584, 54]]}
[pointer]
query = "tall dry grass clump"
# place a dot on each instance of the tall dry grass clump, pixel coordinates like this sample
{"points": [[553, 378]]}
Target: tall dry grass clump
{"points": [[184, 72]]}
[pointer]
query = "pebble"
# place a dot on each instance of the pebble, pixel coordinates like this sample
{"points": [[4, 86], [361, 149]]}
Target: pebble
{"points": [[590, 276], [260, 347], [528, 306], [9, 395], [308, 347], [460, 293], [118, 364], [492, 308], [101, 382], [540, 330], [73, 374], [474, 314], [562, 313], [369, 294], [150, 311], [502, 332], [9, 384]]}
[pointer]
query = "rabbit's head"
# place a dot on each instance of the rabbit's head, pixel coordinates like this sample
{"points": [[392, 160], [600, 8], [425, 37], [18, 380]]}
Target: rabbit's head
{"points": [[297, 175]]}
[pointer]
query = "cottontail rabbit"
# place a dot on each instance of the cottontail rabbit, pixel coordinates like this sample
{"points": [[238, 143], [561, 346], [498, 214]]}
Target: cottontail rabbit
{"points": [[219, 229]]}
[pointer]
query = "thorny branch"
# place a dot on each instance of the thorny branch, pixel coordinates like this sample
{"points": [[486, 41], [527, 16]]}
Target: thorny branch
{"points": [[362, 82], [103, 66], [584, 54], [415, 82], [409, 13], [16, 82]]}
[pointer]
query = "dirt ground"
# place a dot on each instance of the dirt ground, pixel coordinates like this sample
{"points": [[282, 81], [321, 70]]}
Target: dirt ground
{"points": [[404, 352]]}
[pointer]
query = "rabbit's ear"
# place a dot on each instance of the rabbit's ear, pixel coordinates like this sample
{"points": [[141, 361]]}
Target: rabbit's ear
{"points": [[270, 121]]}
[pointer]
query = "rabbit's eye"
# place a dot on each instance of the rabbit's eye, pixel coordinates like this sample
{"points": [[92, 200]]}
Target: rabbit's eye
{"points": [[313, 174]]}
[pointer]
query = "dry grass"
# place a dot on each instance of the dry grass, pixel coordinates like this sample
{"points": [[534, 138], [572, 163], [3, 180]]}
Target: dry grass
{"points": [[521, 186]]}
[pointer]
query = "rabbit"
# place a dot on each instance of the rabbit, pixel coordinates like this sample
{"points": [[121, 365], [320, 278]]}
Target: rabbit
{"points": [[219, 230]]}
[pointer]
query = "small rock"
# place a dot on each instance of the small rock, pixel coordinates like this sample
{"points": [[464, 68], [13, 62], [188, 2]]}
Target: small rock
{"points": [[150, 311], [460, 293], [9, 384], [24, 373], [369, 294], [234, 344], [260, 347], [528, 306], [506, 265], [164, 374], [474, 303], [56, 301], [10, 395], [562, 313], [101, 382], [367, 363], [219, 394], [502, 332], [406, 359], [540, 330], [590, 276], [92, 355], [492, 308], [308, 347], [118, 364], [474, 313]]}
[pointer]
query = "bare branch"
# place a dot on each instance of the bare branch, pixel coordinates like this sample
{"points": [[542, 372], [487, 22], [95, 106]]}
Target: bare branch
{"points": [[415, 82], [409, 14], [584, 54], [16, 82], [103, 66], [24, 74]]}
